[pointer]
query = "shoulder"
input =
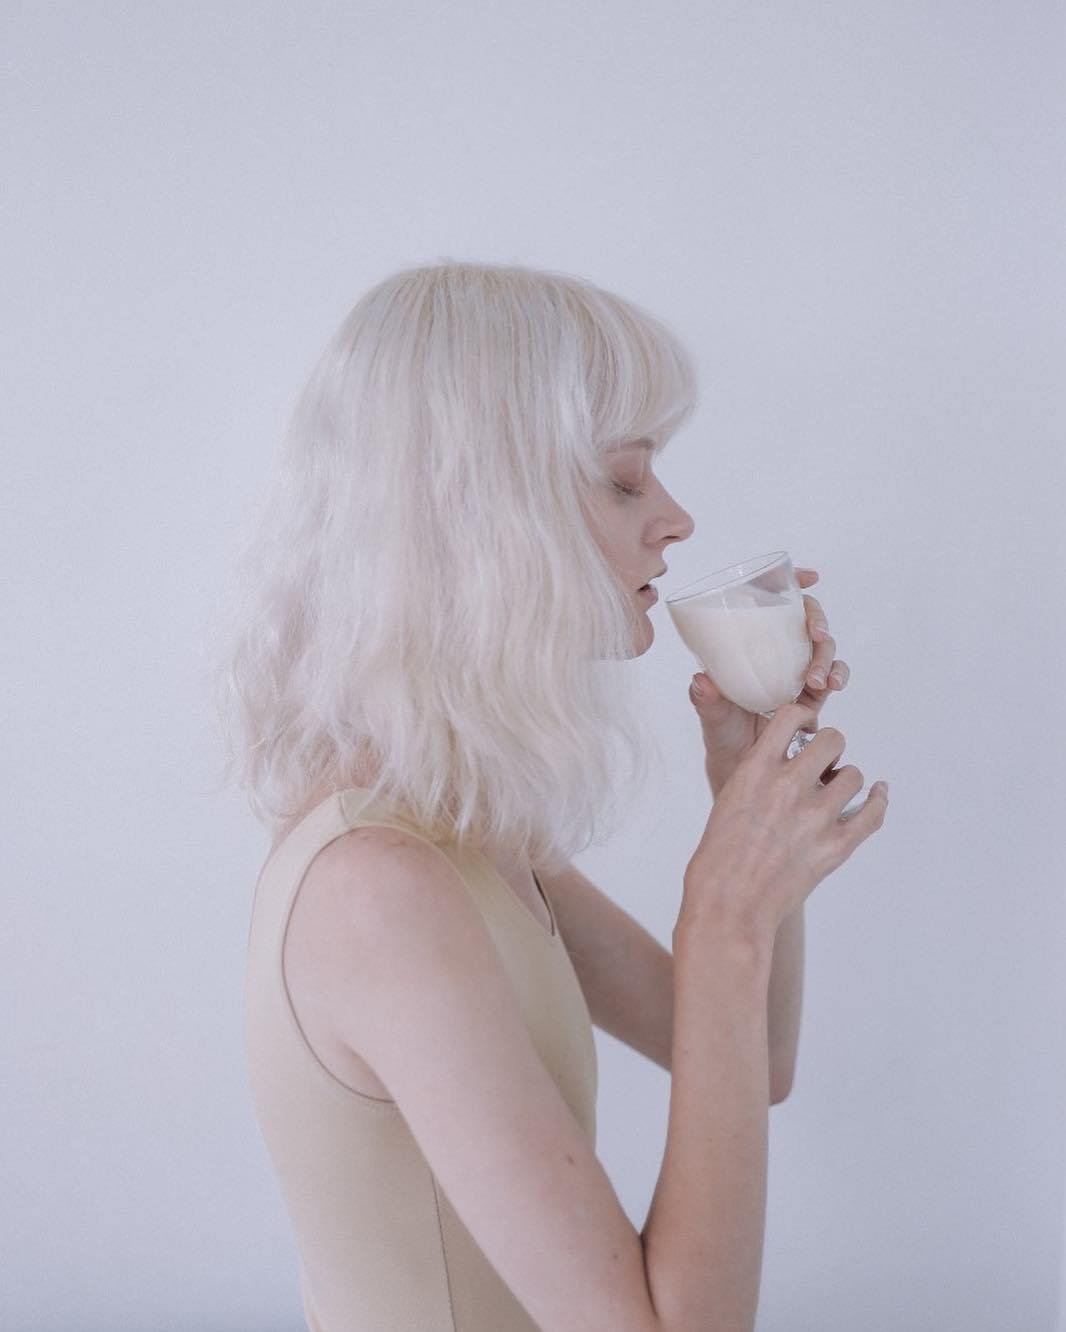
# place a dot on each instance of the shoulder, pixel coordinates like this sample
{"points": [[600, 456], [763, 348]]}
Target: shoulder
{"points": [[379, 844], [376, 914], [395, 939], [378, 880]]}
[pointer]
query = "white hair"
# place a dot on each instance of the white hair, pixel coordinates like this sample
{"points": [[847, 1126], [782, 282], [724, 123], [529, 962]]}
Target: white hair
{"points": [[419, 584]]}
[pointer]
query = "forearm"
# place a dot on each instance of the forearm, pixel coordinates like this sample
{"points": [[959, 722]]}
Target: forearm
{"points": [[703, 1237], [785, 996], [785, 1001], [627, 976]]}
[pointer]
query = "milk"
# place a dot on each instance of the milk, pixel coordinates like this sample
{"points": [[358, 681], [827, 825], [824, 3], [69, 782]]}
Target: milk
{"points": [[757, 655]]}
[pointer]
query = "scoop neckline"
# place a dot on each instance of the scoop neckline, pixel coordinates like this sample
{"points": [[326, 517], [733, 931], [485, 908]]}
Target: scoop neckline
{"points": [[550, 936]]}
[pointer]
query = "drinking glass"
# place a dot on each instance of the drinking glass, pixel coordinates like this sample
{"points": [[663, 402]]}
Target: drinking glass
{"points": [[746, 625]]}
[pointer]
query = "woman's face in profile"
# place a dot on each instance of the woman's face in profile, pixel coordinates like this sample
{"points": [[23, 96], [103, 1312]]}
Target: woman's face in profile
{"points": [[633, 519]]}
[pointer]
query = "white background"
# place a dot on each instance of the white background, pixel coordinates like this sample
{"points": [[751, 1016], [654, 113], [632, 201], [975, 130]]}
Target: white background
{"points": [[851, 211]]}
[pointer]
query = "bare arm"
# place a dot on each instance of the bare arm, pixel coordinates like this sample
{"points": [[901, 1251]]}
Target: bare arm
{"points": [[704, 1233], [627, 976], [785, 1002], [412, 975]]}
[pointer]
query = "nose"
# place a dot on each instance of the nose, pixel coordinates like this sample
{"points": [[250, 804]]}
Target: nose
{"points": [[683, 524]]}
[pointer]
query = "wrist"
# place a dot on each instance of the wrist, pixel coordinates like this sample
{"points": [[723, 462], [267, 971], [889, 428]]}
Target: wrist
{"points": [[706, 919], [719, 769]]}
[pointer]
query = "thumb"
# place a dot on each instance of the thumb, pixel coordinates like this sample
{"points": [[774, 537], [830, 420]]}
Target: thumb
{"points": [[702, 692], [718, 716]]}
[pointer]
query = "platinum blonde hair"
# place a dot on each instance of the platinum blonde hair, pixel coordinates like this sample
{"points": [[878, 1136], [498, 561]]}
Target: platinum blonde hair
{"points": [[418, 584]]}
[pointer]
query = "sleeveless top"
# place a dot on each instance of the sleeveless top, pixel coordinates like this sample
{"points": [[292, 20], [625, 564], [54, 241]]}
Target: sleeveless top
{"points": [[379, 1247]]}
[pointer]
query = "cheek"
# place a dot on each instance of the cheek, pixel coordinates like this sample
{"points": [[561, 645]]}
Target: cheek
{"points": [[591, 509], [598, 517], [611, 526]]}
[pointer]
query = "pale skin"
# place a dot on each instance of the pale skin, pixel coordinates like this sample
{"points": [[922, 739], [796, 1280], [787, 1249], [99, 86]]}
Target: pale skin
{"points": [[626, 975], [401, 992]]}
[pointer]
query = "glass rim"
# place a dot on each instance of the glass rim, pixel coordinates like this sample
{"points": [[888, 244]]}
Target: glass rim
{"points": [[759, 564]]}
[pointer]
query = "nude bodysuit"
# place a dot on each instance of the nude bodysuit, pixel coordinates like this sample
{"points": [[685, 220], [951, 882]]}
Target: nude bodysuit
{"points": [[379, 1247]]}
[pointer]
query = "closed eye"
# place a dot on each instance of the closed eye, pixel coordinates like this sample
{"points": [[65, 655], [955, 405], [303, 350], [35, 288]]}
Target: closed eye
{"points": [[627, 490]]}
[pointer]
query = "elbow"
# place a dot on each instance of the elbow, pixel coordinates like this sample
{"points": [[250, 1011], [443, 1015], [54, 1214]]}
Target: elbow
{"points": [[780, 1086]]}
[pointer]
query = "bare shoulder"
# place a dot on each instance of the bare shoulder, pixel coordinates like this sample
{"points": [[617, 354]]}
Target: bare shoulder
{"points": [[371, 895], [376, 875], [347, 908], [384, 897]]}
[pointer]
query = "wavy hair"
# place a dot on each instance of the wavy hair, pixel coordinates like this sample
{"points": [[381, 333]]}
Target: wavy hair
{"points": [[418, 584]]}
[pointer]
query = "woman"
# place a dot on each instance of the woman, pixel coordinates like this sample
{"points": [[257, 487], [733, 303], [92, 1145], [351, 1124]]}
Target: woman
{"points": [[424, 696]]}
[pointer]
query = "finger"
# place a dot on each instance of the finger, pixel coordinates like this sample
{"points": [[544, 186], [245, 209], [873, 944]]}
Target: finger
{"points": [[817, 621], [812, 698], [855, 828], [806, 577], [845, 783], [821, 660], [821, 753], [824, 646], [783, 725], [704, 693], [839, 675]]}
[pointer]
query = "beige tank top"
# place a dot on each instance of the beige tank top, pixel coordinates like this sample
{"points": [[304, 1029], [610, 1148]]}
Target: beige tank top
{"points": [[379, 1247]]}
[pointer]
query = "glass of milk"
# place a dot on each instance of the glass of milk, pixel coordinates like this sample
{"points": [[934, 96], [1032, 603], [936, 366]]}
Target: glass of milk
{"points": [[747, 627]]}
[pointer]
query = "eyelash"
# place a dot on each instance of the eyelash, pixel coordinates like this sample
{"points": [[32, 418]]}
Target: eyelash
{"points": [[627, 490]]}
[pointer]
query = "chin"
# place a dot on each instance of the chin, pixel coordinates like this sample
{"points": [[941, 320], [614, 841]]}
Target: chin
{"points": [[645, 636], [642, 634]]}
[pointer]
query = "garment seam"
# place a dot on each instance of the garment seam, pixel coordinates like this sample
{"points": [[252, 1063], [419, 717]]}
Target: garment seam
{"points": [[373, 1103], [443, 1249]]}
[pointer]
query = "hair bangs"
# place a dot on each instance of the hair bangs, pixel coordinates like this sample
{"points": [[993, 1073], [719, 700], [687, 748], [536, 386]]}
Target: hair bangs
{"points": [[642, 383]]}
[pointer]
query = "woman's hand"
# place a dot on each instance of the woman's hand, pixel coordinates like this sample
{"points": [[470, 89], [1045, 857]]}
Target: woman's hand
{"points": [[729, 731]]}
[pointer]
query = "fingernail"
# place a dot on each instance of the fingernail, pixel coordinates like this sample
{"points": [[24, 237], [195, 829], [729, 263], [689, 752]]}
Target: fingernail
{"points": [[697, 688], [836, 678]]}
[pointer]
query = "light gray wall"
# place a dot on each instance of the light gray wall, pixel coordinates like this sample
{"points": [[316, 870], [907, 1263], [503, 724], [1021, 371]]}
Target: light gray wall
{"points": [[852, 212]]}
